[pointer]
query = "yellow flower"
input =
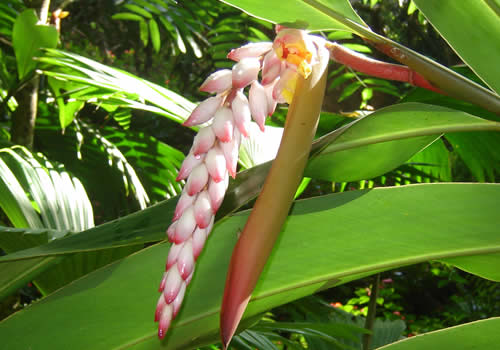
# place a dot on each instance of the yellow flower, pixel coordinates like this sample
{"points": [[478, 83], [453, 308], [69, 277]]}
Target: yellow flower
{"points": [[296, 48]]}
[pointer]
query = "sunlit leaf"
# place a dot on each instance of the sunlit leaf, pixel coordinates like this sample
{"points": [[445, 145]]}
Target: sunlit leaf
{"points": [[478, 21], [28, 38], [297, 267]]}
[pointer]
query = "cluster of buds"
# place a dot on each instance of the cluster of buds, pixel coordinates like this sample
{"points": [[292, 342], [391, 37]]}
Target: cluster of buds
{"points": [[225, 118]]}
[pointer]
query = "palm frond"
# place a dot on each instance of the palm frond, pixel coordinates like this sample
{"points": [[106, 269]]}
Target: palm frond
{"points": [[91, 81], [35, 193]]}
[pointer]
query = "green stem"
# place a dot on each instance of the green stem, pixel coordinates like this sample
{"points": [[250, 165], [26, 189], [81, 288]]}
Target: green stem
{"points": [[372, 310], [453, 84]]}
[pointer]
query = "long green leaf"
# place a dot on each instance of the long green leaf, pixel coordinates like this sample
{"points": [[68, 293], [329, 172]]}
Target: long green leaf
{"points": [[478, 150], [15, 275], [113, 85], [326, 241], [386, 128], [386, 139], [59, 198], [299, 14], [479, 23], [474, 335], [14, 201]]}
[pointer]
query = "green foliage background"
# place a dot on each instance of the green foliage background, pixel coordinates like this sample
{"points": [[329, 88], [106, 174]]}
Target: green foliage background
{"points": [[114, 143]]}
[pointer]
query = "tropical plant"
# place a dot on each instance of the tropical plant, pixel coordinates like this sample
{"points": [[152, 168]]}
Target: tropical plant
{"points": [[326, 241]]}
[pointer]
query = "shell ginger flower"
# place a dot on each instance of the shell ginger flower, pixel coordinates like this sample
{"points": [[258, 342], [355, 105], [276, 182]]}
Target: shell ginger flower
{"points": [[225, 119]]}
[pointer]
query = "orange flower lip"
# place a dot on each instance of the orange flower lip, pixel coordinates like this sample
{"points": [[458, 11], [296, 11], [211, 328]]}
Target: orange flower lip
{"points": [[294, 47]]}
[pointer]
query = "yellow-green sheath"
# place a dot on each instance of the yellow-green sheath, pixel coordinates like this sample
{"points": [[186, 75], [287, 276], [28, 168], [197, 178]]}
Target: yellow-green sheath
{"points": [[271, 209]]}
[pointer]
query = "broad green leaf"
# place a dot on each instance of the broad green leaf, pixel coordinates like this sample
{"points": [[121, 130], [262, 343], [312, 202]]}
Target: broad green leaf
{"points": [[434, 160], [386, 139], [71, 267], [478, 23], [485, 265], [322, 245], [470, 336], [145, 226], [476, 149], [14, 275], [49, 273], [299, 14], [28, 38]]}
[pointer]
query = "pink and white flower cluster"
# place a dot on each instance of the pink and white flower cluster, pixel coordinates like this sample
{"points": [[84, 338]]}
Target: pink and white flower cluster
{"points": [[225, 118]]}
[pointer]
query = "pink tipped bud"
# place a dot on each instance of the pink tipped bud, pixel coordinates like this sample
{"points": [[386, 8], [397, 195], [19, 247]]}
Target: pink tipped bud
{"points": [[271, 68], [245, 71], [203, 210], [216, 164], [218, 82], [231, 150], [271, 102], [209, 228], [223, 124], [173, 253], [258, 104], [159, 307], [188, 164], [241, 112], [188, 279], [176, 304], [162, 285], [203, 141], [216, 191], [185, 226], [199, 238], [204, 111], [185, 260], [250, 50], [165, 319], [197, 180], [185, 200], [172, 285], [171, 231]]}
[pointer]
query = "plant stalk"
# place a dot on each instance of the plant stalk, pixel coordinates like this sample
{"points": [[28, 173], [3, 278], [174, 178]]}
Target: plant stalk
{"points": [[24, 117], [372, 310]]}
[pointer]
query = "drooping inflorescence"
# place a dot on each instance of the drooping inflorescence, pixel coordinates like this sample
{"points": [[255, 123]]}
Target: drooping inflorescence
{"points": [[225, 118]]}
